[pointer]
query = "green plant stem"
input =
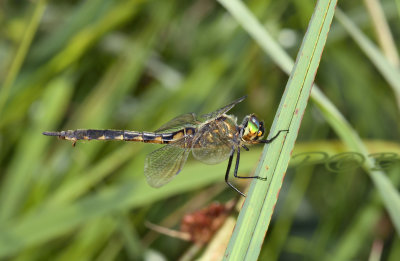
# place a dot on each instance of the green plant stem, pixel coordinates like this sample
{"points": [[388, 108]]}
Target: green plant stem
{"points": [[254, 218]]}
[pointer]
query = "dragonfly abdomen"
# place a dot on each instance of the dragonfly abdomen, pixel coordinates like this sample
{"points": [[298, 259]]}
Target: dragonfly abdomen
{"points": [[158, 138], [124, 135], [148, 137], [75, 135]]}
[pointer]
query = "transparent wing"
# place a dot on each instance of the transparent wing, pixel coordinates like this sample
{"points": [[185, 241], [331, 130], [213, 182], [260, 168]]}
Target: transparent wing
{"points": [[209, 147], [179, 122], [221, 111], [163, 164]]}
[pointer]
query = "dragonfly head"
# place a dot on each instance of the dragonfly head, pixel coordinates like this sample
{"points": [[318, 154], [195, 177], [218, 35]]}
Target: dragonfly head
{"points": [[253, 129]]}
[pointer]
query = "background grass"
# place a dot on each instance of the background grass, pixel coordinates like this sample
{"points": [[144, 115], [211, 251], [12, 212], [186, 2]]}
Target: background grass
{"points": [[137, 64]]}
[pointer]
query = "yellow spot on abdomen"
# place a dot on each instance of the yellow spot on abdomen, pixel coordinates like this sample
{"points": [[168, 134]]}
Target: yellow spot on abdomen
{"points": [[120, 137], [101, 138], [138, 138]]}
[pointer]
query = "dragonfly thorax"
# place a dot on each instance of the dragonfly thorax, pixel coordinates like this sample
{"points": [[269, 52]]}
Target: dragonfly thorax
{"points": [[253, 129]]}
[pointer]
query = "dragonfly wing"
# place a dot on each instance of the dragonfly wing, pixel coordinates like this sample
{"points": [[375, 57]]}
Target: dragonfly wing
{"points": [[179, 122], [223, 110], [163, 164], [209, 147]]}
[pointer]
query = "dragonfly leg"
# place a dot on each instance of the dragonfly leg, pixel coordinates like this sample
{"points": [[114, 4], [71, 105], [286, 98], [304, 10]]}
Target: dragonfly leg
{"points": [[227, 174], [273, 138], [237, 168]]}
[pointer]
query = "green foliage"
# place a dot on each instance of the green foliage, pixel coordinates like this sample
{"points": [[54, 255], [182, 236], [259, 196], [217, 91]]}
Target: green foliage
{"points": [[135, 65]]}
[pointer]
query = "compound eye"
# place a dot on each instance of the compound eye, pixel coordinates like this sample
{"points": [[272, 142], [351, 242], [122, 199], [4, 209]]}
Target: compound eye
{"points": [[253, 125], [253, 129]]}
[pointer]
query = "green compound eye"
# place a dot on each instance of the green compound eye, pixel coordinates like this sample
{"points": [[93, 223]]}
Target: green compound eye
{"points": [[252, 127]]}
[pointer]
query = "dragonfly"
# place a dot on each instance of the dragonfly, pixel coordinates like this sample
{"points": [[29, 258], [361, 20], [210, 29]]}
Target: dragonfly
{"points": [[212, 138]]}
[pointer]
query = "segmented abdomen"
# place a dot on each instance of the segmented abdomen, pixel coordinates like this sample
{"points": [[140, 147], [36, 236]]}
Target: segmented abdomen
{"points": [[147, 137]]}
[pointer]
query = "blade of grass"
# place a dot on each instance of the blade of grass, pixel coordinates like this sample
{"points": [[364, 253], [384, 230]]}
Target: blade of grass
{"points": [[382, 31], [256, 214], [331, 113], [388, 71], [21, 52]]}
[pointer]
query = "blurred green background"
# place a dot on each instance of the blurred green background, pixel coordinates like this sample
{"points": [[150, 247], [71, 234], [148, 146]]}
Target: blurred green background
{"points": [[136, 64]]}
